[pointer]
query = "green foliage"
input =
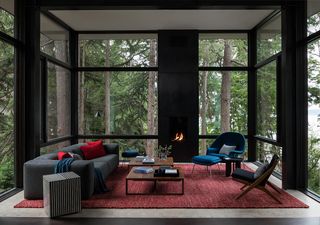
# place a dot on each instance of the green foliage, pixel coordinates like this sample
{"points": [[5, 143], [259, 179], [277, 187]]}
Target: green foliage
{"points": [[6, 114]]}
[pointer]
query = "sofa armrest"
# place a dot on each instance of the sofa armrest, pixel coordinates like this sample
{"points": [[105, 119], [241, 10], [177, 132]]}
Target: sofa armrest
{"points": [[35, 169], [111, 148]]}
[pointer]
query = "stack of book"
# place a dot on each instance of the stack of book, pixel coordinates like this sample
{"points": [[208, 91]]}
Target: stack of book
{"points": [[148, 161], [143, 169]]}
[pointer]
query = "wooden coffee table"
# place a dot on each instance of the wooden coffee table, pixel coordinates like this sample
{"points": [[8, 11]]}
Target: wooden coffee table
{"points": [[132, 176], [158, 162]]}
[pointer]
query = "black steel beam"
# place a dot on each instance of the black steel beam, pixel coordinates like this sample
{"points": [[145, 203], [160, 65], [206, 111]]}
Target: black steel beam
{"points": [[74, 85], [101, 69], [93, 136], [55, 61], [159, 4], [213, 68], [301, 92], [20, 107], [32, 79], [252, 96]]}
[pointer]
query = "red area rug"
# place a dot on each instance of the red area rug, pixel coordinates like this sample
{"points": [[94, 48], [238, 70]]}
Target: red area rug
{"points": [[201, 191]]}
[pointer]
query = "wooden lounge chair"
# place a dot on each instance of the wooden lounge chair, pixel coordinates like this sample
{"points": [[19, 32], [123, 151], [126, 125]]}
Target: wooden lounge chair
{"points": [[251, 181]]}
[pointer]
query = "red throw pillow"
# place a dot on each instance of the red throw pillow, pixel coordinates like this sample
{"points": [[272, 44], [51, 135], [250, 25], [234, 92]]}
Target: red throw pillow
{"points": [[94, 142], [63, 155], [92, 151]]}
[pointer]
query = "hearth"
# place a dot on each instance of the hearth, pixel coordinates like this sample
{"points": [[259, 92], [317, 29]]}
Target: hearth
{"points": [[178, 129]]}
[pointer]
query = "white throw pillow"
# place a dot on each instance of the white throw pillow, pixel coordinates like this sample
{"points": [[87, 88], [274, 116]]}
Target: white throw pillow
{"points": [[226, 149]]}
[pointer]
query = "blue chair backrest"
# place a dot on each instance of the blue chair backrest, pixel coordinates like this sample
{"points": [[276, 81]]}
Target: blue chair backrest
{"points": [[231, 139]]}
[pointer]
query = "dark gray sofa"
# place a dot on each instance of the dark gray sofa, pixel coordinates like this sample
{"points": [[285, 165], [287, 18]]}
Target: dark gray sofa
{"points": [[45, 164]]}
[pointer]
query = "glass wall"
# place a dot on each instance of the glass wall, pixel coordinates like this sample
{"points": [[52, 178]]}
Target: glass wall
{"points": [[54, 39], [122, 107], [269, 38], [7, 99], [314, 116], [58, 102], [56, 84], [223, 92], [267, 101], [267, 90], [119, 94]]}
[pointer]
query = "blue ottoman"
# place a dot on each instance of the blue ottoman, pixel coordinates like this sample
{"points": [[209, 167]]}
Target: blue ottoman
{"points": [[205, 160], [130, 153]]}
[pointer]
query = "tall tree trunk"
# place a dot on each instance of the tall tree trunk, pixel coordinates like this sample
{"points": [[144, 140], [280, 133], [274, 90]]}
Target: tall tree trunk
{"points": [[204, 103], [151, 99], [63, 92], [82, 94], [225, 88], [107, 81]]}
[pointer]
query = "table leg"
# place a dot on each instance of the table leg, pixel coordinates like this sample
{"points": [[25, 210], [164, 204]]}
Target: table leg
{"points": [[183, 186], [238, 164], [228, 168], [126, 187]]}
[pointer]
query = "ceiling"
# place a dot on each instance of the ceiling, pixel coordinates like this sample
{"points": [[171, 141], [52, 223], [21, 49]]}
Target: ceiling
{"points": [[95, 20]]}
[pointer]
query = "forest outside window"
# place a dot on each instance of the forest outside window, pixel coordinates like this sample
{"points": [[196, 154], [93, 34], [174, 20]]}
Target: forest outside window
{"points": [[54, 39], [118, 50], [267, 101], [223, 50], [7, 17], [7, 136], [119, 103], [269, 38], [314, 116], [265, 151], [223, 103], [58, 101], [313, 22]]}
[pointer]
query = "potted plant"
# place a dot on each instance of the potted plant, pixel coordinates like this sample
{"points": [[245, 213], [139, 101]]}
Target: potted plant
{"points": [[163, 151]]}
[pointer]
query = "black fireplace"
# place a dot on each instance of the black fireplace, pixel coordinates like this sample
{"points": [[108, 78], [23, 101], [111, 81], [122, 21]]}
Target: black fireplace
{"points": [[178, 93]]}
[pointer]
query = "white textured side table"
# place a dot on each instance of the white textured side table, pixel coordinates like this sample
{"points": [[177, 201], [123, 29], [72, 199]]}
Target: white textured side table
{"points": [[61, 194]]}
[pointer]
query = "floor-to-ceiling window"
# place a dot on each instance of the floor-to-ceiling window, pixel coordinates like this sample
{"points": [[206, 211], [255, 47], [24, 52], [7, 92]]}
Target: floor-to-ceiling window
{"points": [[56, 85], [268, 89], [7, 96], [313, 25], [118, 88], [223, 80]]}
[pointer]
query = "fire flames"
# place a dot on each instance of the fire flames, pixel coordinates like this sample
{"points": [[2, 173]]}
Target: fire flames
{"points": [[179, 137]]}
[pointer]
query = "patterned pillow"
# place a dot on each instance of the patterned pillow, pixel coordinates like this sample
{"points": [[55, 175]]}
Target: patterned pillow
{"points": [[75, 156]]}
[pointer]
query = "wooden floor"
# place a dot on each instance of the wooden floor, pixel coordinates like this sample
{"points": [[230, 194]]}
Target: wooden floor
{"points": [[126, 221]]}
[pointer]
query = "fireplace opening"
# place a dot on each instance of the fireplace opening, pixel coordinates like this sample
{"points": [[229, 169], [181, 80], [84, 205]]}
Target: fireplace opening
{"points": [[178, 129]]}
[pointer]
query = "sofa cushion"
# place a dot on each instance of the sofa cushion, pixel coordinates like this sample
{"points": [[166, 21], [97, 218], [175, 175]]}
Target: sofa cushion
{"points": [[49, 156], [93, 151]]}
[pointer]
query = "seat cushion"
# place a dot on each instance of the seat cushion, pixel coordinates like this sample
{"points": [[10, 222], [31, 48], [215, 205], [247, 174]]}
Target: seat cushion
{"points": [[243, 175], [261, 169], [218, 155], [130, 154], [205, 159]]}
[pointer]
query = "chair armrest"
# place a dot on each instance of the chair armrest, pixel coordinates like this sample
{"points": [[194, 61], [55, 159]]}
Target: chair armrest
{"points": [[111, 148], [212, 150]]}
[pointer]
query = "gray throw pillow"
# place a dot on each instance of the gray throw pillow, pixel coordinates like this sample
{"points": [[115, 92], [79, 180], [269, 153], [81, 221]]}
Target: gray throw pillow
{"points": [[261, 169], [226, 149]]}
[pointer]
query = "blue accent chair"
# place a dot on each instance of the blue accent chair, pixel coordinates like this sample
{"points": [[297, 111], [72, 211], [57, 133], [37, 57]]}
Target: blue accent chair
{"points": [[213, 157], [231, 139]]}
